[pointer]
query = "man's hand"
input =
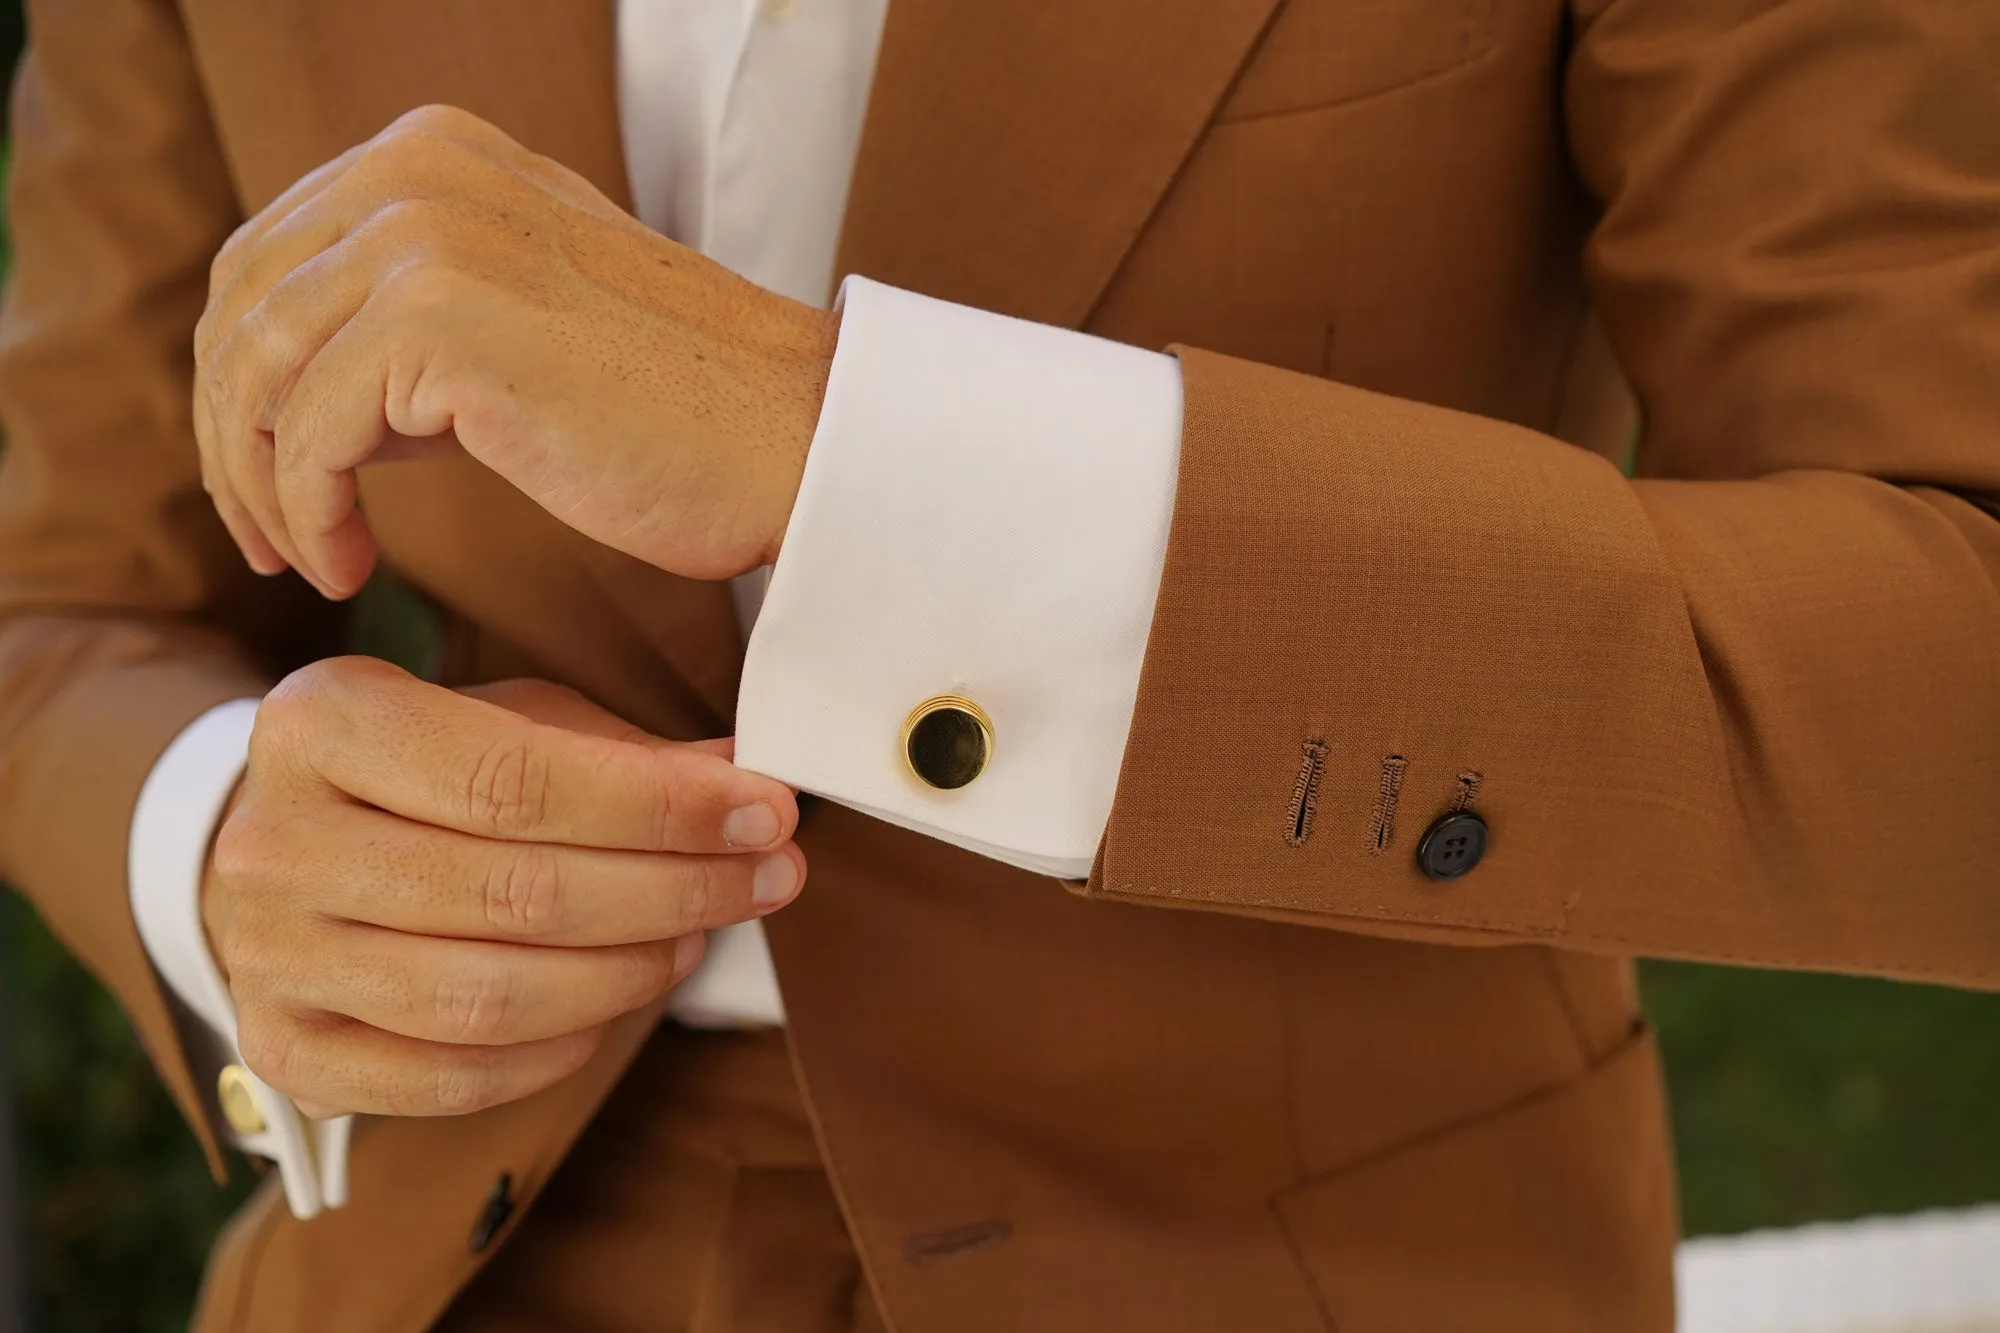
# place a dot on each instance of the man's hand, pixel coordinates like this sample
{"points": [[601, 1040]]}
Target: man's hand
{"points": [[428, 903], [442, 287]]}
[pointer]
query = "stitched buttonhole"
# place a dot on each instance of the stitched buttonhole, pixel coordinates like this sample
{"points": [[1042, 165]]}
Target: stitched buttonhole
{"points": [[934, 1245], [1305, 793], [1467, 793], [1382, 825]]}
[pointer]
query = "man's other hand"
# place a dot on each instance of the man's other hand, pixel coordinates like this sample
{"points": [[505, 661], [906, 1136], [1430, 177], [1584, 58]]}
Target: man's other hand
{"points": [[429, 902], [441, 287]]}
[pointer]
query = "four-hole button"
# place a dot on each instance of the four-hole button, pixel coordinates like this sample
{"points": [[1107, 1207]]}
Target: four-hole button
{"points": [[1452, 846]]}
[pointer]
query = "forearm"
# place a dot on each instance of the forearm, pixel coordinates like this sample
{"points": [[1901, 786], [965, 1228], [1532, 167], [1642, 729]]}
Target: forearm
{"points": [[1665, 699], [1736, 720]]}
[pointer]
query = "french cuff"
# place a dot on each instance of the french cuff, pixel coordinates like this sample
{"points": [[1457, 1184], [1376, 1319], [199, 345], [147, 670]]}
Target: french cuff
{"points": [[979, 533], [172, 825]]}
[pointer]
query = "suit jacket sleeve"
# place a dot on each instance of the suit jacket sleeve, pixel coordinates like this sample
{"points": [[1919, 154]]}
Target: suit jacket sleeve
{"points": [[1745, 707], [124, 610]]}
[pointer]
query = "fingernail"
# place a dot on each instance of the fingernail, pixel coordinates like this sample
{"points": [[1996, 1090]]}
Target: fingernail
{"points": [[752, 826], [776, 880], [687, 952]]}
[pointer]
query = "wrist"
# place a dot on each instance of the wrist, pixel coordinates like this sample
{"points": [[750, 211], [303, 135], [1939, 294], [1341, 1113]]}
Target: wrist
{"points": [[803, 360]]}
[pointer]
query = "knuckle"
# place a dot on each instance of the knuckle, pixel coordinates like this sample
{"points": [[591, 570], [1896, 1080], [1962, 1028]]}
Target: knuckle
{"points": [[337, 706], [241, 854], [260, 340], [472, 1005], [230, 254], [285, 700], [242, 360], [508, 792], [248, 963], [290, 720], [427, 141], [424, 283], [431, 118], [333, 689], [701, 891], [274, 1048], [299, 695], [352, 676], [260, 951], [669, 806], [464, 1084], [205, 338], [408, 217], [408, 137], [223, 378], [524, 892], [274, 738]]}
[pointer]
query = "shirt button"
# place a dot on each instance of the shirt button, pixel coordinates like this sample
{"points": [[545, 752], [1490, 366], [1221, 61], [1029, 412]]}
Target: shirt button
{"points": [[238, 1100], [947, 741], [1452, 846], [777, 11]]}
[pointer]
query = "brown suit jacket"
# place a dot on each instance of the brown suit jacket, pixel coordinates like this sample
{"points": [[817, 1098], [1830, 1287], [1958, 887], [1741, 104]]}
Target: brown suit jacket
{"points": [[1745, 707]]}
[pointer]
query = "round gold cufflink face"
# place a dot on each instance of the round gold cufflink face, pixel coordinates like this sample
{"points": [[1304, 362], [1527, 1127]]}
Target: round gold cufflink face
{"points": [[947, 741], [239, 1102]]}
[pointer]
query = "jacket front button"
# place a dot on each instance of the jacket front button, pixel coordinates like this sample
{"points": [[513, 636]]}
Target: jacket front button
{"points": [[493, 1214], [947, 741], [1452, 846]]}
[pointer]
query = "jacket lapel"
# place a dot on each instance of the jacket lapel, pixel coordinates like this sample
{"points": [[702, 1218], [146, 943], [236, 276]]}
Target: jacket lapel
{"points": [[1015, 148]]}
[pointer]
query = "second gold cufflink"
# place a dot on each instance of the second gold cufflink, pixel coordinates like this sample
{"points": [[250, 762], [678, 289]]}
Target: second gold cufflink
{"points": [[239, 1101]]}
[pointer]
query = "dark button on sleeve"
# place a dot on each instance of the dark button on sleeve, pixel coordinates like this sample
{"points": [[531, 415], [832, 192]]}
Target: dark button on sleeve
{"points": [[1452, 846]]}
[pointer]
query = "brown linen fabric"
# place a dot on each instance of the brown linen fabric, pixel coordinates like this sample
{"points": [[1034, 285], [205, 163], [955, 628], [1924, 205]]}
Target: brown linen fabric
{"points": [[696, 1203], [1746, 707]]}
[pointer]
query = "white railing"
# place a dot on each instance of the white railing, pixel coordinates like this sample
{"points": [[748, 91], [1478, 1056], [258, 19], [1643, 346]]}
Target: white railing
{"points": [[1927, 1273]]}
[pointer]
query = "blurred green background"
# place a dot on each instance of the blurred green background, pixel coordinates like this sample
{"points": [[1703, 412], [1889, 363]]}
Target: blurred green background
{"points": [[1795, 1098]]}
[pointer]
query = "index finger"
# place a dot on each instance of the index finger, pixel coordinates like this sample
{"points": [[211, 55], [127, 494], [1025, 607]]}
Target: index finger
{"points": [[227, 266], [430, 754]]}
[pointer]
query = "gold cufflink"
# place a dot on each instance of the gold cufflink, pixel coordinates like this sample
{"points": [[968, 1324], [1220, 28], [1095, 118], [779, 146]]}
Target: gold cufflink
{"points": [[239, 1100], [947, 741]]}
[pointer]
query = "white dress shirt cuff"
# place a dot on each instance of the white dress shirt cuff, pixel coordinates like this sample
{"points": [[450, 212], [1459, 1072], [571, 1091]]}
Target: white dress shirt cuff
{"points": [[172, 826], [984, 513]]}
